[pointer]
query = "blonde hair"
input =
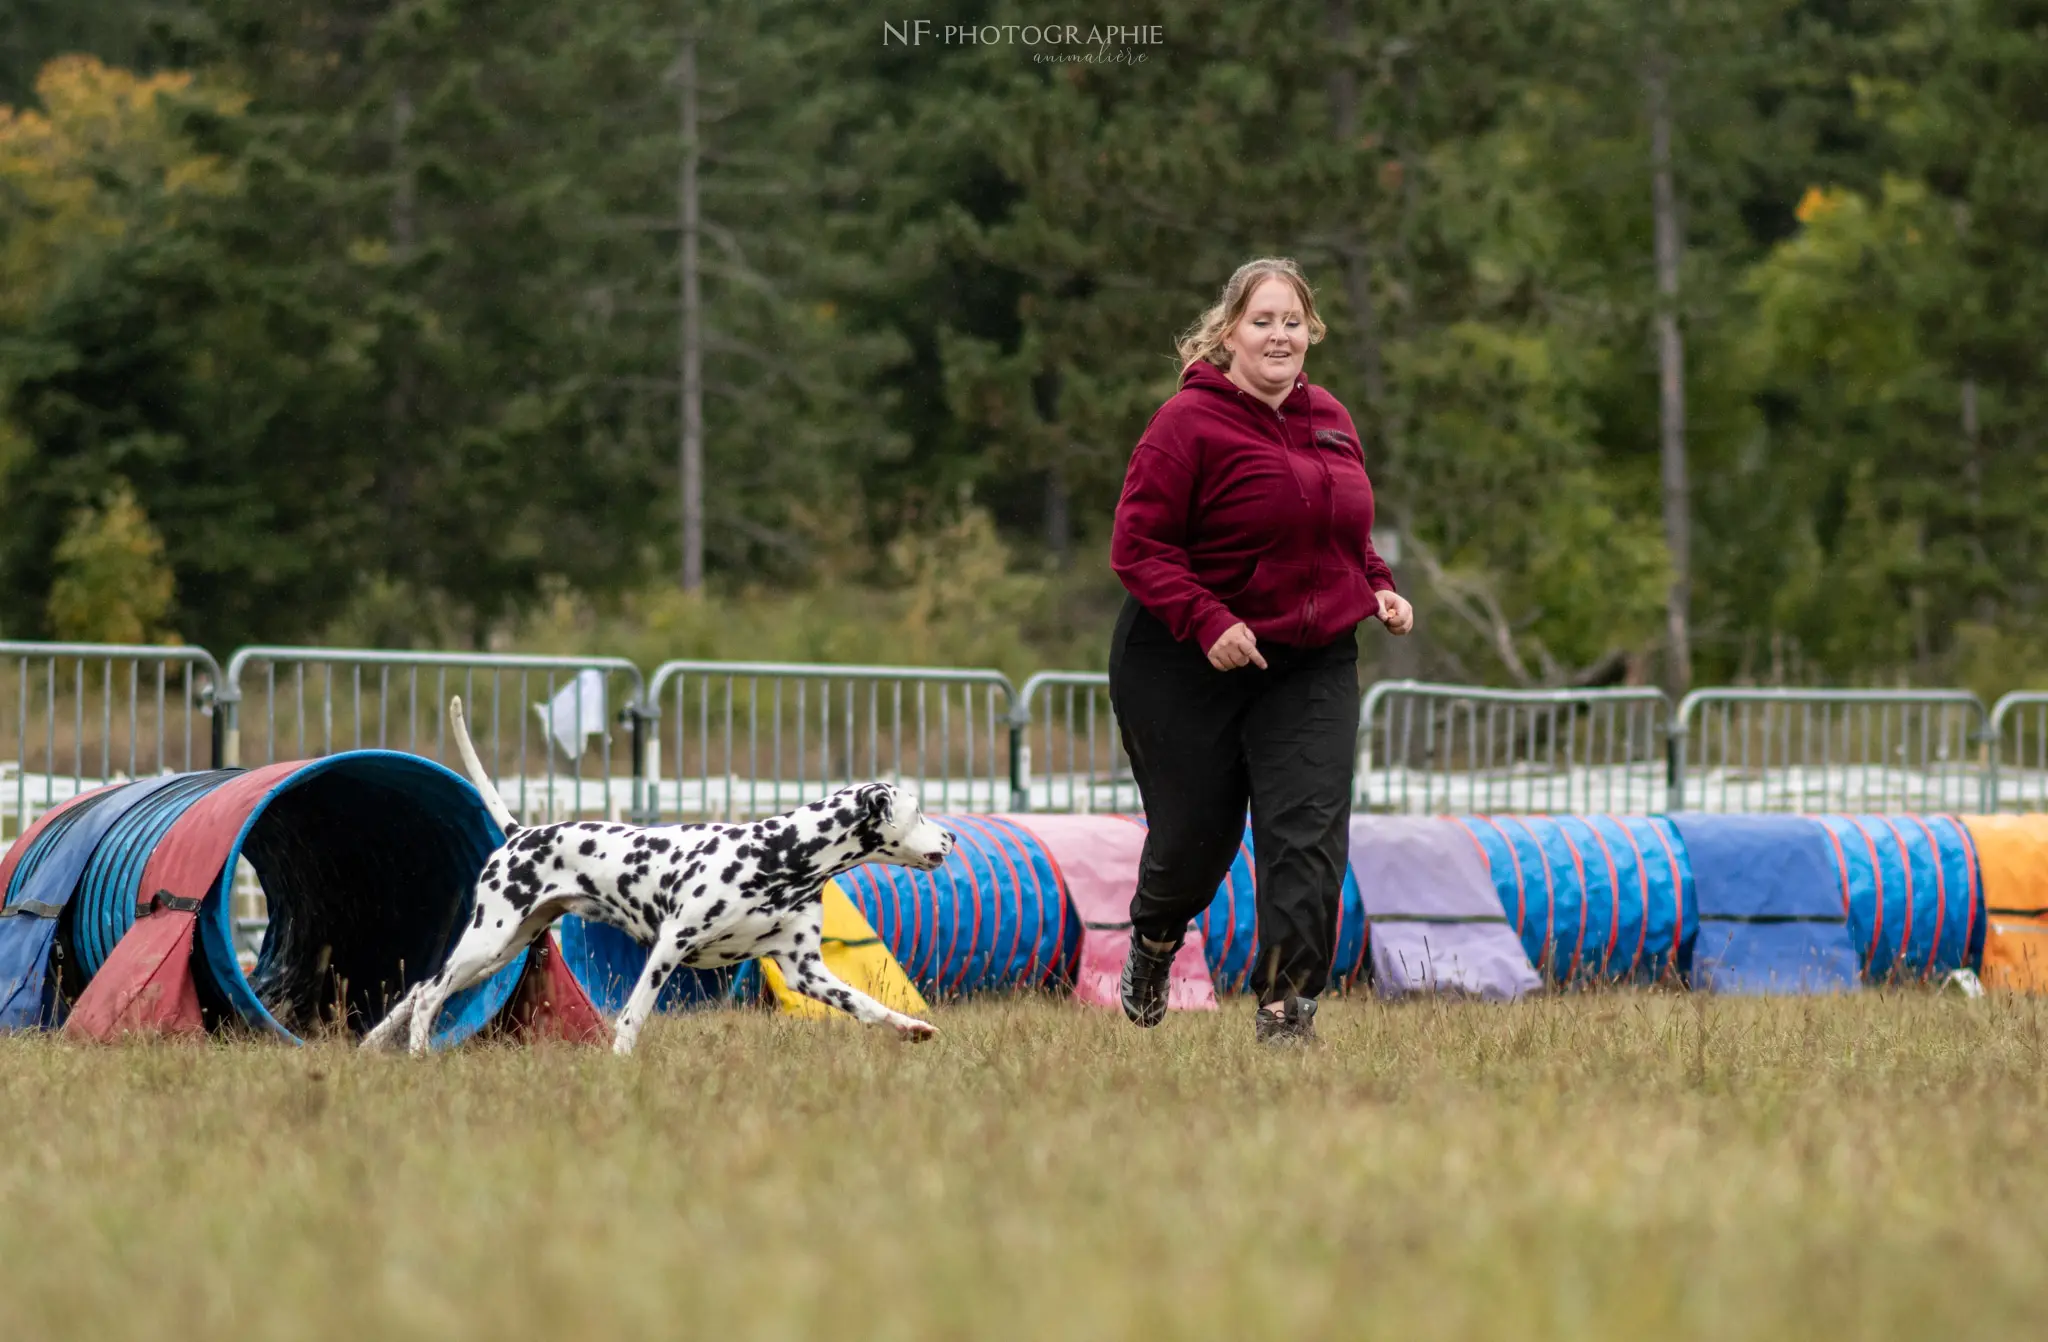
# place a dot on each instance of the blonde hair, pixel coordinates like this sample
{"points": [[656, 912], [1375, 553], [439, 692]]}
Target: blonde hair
{"points": [[1204, 340]]}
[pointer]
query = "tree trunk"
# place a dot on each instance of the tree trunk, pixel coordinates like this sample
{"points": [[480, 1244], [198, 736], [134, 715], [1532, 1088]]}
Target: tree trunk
{"points": [[1059, 525], [401, 460], [1400, 658], [1354, 257], [1670, 378], [691, 353]]}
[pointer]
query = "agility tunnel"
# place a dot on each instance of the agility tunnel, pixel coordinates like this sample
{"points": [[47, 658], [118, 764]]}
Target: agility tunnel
{"points": [[1771, 915], [992, 916], [1910, 888], [1597, 898], [1437, 922], [1096, 860], [2012, 856], [118, 914]]}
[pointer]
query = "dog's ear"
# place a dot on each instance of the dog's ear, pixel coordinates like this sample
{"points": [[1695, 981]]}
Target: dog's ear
{"points": [[878, 802]]}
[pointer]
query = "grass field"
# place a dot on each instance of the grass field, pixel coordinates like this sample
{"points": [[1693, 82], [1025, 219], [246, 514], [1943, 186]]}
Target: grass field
{"points": [[1642, 1166]]}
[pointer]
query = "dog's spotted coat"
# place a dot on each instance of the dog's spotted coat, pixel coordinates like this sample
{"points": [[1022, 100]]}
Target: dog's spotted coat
{"points": [[696, 896]]}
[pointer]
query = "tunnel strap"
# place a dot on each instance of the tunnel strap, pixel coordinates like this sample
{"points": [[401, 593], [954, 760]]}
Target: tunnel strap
{"points": [[32, 908], [164, 899], [187, 861]]}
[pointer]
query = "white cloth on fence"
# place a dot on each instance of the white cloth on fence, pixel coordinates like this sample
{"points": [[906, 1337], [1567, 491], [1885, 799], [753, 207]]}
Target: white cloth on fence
{"points": [[576, 713]]}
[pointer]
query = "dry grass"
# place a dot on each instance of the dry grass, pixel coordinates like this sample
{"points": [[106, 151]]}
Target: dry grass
{"points": [[1607, 1166]]}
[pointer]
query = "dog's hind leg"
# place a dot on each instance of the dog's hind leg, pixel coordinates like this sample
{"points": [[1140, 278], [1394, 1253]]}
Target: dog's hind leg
{"points": [[481, 953], [804, 970], [394, 1020]]}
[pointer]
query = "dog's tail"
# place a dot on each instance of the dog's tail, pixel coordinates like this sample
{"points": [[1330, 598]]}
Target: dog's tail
{"points": [[492, 801]]}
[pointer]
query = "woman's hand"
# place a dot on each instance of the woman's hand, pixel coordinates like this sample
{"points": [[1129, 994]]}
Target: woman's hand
{"points": [[1395, 613], [1235, 647]]}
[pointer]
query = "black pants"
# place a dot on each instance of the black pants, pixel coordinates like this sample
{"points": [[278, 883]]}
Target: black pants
{"points": [[1203, 743]]}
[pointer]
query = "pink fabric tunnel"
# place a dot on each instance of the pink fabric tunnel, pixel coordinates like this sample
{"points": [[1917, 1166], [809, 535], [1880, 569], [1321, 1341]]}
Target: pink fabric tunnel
{"points": [[1097, 860]]}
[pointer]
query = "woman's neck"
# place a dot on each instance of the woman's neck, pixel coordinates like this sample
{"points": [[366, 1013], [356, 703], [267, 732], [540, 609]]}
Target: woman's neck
{"points": [[1272, 398]]}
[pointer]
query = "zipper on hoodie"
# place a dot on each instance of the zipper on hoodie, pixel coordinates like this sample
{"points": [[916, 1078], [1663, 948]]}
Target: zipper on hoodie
{"points": [[1308, 611]]}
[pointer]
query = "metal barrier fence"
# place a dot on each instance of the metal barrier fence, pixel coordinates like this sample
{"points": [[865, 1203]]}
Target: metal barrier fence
{"points": [[74, 716], [2016, 778], [535, 720], [1430, 749], [1828, 750], [588, 737], [1074, 760], [745, 739]]}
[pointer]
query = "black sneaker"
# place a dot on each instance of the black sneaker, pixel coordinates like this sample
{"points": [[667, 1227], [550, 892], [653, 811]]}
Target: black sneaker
{"points": [[1144, 981], [1295, 1024]]}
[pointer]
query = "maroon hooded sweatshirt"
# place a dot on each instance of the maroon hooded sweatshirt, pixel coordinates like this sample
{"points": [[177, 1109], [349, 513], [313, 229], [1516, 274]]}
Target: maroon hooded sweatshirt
{"points": [[1233, 510]]}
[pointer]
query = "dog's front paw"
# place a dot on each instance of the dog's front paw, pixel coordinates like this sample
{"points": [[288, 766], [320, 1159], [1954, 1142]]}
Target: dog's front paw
{"points": [[916, 1031]]}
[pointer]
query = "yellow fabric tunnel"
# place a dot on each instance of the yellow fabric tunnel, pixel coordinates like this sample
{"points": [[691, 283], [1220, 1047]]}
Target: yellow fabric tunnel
{"points": [[2012, 854], [853, 952]]}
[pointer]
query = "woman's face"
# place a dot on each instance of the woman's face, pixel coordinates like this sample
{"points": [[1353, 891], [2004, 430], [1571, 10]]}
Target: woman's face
{"points": [[1270, 341]]}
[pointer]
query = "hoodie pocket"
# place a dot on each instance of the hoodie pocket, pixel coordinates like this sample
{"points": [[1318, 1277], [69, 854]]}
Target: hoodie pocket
{"points": [[1278, 591]]}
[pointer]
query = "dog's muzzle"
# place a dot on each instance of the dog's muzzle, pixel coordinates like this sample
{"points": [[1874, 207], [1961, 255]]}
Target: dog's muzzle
{"points": [[932, 861]]}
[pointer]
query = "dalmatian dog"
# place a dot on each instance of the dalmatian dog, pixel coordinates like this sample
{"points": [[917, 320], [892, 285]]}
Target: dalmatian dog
{"points": [[695, 895]]}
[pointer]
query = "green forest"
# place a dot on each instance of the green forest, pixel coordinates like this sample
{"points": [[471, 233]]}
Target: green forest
{"points": [[1693, 341]]}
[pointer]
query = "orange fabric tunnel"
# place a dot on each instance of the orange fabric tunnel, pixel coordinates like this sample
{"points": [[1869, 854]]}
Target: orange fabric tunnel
{"points": [[2012, 854]]}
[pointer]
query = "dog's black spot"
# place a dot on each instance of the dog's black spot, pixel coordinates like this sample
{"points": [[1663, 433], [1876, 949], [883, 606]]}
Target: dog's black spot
{"points": [[659, 845], [478, 921], [587, 847], [730, 874]]}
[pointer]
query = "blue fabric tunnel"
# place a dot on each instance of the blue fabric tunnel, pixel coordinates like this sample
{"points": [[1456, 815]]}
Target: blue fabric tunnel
{"points": [[1772, 917], [1599, 898], [990, 917], [40, 896], [1911, 886]]}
